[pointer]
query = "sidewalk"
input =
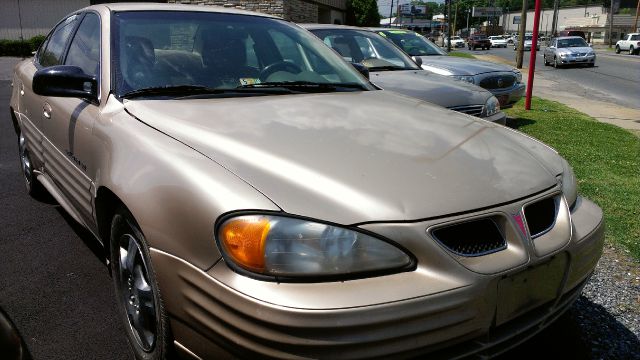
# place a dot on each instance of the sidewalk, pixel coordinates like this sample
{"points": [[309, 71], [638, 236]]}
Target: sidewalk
{"points": [[607, 112]]}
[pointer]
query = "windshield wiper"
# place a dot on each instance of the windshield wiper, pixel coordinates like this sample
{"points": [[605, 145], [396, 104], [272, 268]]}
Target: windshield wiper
{"points": [[304, 86], [189, 90]]}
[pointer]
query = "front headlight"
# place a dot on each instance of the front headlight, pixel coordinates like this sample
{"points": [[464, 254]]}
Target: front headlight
{"points": [[569, 184], [518, 75], [466, 78], [492, 106], [286, 247], [564, 54]]}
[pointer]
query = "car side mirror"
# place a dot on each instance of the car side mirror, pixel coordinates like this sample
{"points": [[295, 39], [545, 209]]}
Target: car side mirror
{"points": [[417, 59], [361, 69], [65, 81], [590, 45]]}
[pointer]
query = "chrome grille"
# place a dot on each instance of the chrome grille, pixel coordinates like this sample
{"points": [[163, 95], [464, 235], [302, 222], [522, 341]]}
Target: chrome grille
{"points": [[498, 82], [475, 110], [471, 238]]}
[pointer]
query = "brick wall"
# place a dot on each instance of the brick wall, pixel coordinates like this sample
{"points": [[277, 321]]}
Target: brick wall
{"points": [[273, 7], [300, 11]]}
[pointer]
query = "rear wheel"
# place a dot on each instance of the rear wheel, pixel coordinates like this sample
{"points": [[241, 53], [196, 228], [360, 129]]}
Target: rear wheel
{"points": [[555, 62], [137, 294], [631, 50], [544, 59]]}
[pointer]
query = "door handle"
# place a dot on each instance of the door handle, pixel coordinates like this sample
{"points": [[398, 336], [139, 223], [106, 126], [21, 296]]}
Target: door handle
{"points": [[46, 111]]}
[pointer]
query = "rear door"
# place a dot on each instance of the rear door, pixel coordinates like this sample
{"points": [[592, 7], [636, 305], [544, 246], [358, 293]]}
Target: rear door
{"points": [[68, 122]]}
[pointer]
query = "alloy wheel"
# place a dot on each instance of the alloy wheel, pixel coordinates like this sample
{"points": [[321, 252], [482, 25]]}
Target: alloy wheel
{"points": [[25, 162], [137, 295]]}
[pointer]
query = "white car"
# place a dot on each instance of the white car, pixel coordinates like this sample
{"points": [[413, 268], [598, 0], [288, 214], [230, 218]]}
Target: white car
{"points": [[456, 41], [630, 43], [498, 41]]}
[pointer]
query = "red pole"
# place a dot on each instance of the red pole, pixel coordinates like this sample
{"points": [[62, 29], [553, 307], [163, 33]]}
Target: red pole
{"points": [[532, 57]]}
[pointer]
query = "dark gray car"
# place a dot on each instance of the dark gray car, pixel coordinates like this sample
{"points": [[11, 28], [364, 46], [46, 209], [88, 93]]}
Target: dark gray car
{"points": [[391, 69], [505, 82]]}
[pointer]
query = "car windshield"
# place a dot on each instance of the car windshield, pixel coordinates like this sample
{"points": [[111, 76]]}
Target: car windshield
{"points": [[412, 43], [576, 42], [189, 51], [528, 37], [366, 48]]}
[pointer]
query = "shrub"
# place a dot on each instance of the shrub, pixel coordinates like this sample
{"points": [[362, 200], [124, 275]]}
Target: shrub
{"points": [[20, 47]]}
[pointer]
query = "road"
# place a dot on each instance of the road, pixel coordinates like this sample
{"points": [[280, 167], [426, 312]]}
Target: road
{"points": [[615, 78]]}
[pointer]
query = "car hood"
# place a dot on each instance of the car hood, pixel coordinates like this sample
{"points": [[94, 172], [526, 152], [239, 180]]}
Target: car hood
{"points": [[428, 86], [359, 156], [575, 50], [454, 65]]}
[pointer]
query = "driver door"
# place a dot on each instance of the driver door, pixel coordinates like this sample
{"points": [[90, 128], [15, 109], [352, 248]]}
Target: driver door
{"points": [[68, 124]]}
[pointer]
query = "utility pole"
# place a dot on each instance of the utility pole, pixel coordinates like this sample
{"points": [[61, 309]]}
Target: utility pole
{"points": [[521, 31], [391, 12], [554, 23], [635, 23], [611, 25], [455, 19], [469, 30], [449, 26]]}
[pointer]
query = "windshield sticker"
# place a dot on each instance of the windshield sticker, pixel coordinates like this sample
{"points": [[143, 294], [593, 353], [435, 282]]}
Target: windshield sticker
{"points": [[249, 81]]}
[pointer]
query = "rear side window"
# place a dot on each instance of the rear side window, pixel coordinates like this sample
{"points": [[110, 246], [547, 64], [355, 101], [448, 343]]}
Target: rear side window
{"points": [[84, 50], [52, 54]]}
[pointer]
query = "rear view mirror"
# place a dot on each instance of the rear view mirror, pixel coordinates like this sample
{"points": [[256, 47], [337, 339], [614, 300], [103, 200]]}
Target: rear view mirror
{"points": [[65, 81], [361, 69], [417, 59]]}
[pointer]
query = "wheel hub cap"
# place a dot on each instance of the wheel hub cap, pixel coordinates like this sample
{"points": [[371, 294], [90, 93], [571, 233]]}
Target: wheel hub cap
{"points": [[138, 298]]}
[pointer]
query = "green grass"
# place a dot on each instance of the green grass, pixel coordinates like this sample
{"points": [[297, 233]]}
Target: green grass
{"points": [[461, 54], [605, 158]]}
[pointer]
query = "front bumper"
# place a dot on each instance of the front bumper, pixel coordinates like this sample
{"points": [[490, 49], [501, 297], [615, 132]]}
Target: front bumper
{"points": [[509, 96], [498, 118], [578, 60], [440, 304]]}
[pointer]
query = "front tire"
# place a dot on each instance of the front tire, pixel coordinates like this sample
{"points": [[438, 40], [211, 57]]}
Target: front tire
{"points": [[138, 296], [617, 49]]}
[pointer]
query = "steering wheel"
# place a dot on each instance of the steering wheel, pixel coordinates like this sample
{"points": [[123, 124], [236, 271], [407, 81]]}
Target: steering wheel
{"points": [[282, 65]]}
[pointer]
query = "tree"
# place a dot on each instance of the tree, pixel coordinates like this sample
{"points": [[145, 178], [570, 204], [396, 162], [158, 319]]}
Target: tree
{"points": [[364, 13]]}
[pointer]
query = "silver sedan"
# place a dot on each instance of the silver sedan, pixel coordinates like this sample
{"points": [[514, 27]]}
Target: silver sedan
{"points": [[569, 50]]}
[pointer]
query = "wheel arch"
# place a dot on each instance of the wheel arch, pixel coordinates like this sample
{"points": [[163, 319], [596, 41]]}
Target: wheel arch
{"points": [[107, 204], [14, 120]]}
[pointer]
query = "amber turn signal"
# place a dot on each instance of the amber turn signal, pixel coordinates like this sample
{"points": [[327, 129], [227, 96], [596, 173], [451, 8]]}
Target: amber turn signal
{"points": [[244, 240]]}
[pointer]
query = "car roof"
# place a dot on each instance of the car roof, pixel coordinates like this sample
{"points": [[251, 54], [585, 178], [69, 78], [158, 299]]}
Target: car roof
{"points": [[174, 7], [310, 26], [568, 37], [389, 29]]}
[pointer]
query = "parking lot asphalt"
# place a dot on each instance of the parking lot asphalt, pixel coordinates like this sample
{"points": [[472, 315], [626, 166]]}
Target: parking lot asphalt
{"points": [[57, 291]]}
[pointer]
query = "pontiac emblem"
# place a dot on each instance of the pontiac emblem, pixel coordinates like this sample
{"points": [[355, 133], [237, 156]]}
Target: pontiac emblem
{"points": [[500, 82]]}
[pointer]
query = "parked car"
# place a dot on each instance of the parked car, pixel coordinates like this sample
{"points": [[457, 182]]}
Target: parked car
{"points": [[391, 69], [528, 42], [478, 41], [505, 82], [456, 41], [498, 41], [630, 43], [256, 195], [569, 50]]}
